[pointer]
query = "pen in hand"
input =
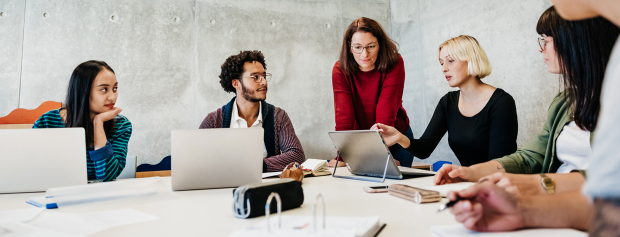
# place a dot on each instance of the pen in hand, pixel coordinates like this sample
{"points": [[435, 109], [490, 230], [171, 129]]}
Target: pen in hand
{"points": [[458, 198], [451, 203]]}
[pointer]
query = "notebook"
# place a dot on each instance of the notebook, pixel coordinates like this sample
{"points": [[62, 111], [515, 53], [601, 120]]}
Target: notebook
{"points": [[314, 167], [422, 166]]}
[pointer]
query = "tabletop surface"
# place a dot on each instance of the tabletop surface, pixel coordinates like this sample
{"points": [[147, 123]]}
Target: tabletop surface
{"points": [[209, 212]]}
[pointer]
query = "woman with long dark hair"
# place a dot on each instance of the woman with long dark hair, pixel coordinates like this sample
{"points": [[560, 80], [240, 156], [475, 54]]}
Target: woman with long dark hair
{"points": [[579, 51], [90, 101], [368, 83]]}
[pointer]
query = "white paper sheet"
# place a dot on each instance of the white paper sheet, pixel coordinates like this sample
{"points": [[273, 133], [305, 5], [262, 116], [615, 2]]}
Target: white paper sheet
{"points": [[460, 231], [17, 229], [89, 223], [257, 232], [21, 215], [360, 225]]}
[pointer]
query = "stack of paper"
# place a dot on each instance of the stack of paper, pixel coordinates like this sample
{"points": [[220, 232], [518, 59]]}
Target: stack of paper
{"points": [[303, 226], [315, 167], [106, 195], [42, 201]]}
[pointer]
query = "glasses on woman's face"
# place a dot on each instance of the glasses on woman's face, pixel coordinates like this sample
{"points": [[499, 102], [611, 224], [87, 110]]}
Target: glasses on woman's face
{"points": [[542, 43], [259, 78], [371, 48]]}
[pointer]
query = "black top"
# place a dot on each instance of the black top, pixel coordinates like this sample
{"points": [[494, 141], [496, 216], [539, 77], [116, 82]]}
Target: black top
{"points": [[490, 134]]}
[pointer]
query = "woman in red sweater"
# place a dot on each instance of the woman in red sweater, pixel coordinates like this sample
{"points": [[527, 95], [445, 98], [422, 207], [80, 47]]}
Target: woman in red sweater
{"points": [[368, 83]]}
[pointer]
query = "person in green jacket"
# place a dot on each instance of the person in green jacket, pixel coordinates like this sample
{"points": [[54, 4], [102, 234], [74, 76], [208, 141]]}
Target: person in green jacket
{"points": [[579, 51]]}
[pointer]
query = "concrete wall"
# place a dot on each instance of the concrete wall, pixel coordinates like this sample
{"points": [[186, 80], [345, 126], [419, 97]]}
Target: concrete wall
{"points": [[507, 32], [11, 28], [167, 56]]}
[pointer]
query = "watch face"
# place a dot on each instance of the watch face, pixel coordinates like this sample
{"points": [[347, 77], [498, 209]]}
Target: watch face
{"points": [[547, 182]]}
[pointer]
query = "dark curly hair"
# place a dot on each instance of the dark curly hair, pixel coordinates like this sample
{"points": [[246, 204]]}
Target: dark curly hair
{"points": [[233, 67]]}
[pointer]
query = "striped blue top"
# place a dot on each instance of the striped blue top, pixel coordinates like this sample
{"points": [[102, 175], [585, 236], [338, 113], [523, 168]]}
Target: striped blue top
{"points": [[105, 163]]}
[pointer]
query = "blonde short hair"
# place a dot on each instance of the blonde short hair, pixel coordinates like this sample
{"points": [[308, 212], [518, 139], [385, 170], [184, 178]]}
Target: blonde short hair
{"points": [[467, 48]]}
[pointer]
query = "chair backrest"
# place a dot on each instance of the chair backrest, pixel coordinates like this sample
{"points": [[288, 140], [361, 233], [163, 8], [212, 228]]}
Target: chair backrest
{"points": [[25, 118], [162, 169], [437, 165], [16, 126], [129, 172]]}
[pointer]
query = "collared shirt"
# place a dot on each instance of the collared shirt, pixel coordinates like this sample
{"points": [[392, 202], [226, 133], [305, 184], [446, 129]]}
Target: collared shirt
{"points": [[238, 122]]}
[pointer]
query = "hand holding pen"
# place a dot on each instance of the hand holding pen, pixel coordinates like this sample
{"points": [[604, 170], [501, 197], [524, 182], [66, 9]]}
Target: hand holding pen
{"points": [[486, 207], [458, 198]]}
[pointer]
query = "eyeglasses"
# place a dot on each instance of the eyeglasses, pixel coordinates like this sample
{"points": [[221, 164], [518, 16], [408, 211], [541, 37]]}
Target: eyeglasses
{"points": [[542, 43], [258, 78], [371, 48]]}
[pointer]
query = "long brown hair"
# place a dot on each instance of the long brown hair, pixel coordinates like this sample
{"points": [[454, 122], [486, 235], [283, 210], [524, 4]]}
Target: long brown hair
{"points": [[388, 50]]}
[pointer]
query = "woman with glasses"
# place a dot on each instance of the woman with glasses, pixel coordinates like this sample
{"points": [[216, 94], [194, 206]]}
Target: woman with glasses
{"points": [[368, 83], [481, 120], [579, 51]]}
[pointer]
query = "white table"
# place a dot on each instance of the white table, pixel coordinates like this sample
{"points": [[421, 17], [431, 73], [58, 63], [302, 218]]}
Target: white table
{"points": [[209, 212]]}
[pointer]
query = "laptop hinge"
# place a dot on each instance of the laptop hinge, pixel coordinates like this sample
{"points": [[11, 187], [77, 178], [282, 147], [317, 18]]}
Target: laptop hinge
{"points": [[387, 162]]}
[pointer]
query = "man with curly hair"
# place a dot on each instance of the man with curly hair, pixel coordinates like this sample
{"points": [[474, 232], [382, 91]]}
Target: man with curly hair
{"points": [[244, 74]]}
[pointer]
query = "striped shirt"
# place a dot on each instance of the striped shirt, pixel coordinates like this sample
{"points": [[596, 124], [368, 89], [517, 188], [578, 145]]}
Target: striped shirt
{"points": [[105, 163]]}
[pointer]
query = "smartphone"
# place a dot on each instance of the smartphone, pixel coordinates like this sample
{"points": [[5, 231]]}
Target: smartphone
{"points": [[376, 189]]}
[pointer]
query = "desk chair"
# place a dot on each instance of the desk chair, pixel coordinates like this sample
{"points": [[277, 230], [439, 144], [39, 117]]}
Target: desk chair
{"points": [[437, 165], [129, 172], [162, 169], [25, 118]]}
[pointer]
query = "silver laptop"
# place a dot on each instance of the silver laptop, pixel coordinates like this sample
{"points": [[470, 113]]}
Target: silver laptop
{"points": [[366, 154], [216, 158], [33, 160]]}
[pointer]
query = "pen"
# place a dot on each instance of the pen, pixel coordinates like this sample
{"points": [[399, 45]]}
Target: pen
{"points": [[380, 229], [451, 203]]}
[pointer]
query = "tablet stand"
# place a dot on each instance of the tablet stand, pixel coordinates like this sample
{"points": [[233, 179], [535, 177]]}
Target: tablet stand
{"points": [[387, 162]]}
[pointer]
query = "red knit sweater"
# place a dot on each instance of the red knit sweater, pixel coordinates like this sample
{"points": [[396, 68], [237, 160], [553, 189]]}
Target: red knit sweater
{"points": [[370, 97]]}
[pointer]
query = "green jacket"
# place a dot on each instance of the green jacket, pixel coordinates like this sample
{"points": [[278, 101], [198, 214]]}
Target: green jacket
{"points": [[539, 155]]}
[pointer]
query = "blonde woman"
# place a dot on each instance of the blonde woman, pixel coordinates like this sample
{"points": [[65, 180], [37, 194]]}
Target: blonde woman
{"points": [[481, 120]]}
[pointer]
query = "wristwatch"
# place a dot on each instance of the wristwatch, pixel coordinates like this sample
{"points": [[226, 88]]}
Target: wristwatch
{"points": [[548, 184]]}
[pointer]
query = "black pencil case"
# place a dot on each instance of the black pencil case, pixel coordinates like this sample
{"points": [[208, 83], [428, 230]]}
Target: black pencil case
{"points": [[249, 200]]}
